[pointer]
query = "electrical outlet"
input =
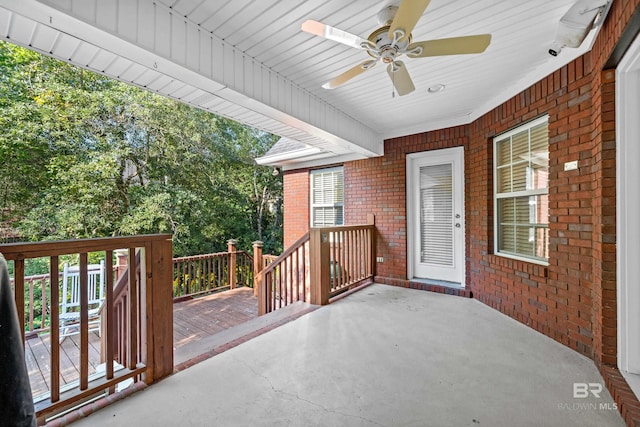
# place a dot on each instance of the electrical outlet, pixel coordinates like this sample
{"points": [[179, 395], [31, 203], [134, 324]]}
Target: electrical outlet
{"points": [[379, 259]]}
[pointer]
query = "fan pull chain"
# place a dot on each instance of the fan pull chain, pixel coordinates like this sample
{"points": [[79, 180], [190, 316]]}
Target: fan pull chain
{"points": [[393, 82]]}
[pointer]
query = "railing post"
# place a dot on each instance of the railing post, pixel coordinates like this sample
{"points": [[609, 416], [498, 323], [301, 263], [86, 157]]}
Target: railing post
{"points": [[319, 260], [159, 305], [371, 220], [231, 248], [257, 266]]}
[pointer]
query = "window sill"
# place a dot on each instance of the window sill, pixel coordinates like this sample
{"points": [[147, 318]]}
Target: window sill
{"points": [[533, 267]]}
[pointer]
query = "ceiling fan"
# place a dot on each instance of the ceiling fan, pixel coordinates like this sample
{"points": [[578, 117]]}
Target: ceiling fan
{"points": [[392, 40]]}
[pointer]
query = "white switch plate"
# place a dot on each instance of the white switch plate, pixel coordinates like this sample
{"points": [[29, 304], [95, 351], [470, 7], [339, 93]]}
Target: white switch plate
{"points": [[571, 166], [379, 259]]}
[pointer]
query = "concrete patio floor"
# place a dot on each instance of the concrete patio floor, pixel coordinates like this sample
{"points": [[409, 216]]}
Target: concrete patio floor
{"points": [[383, 356]]}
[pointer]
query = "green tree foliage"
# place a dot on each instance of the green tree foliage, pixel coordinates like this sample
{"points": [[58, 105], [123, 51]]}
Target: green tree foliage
{"points": [[86, 156]]}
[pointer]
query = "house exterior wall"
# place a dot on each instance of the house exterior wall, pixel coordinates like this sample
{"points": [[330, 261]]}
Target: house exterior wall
{"points": [[573, 299], [296, 187]]}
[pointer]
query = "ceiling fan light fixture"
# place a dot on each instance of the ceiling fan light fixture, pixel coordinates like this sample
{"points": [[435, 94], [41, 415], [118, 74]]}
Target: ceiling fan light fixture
{"points": [[436, 88]]}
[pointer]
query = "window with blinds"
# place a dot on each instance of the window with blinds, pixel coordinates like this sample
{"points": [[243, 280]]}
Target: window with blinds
{"points": [[327, 197], [521, 184]]}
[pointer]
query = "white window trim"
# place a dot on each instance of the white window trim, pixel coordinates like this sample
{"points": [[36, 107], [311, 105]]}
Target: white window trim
{"points": [[627, 209], [311, 204], [496, 196]]}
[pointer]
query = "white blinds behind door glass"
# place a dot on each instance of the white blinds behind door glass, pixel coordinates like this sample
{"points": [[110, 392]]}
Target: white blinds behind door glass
{"points": [[436, 215]]}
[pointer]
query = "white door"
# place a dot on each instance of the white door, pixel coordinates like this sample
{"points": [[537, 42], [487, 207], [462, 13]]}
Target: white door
{"points": [[435, 207]]}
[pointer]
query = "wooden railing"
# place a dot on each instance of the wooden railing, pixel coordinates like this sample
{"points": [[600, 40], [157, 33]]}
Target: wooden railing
{"points": [[320, 265], [38, 316], [351, 254], [286, 279], [268, 259], [199, 274], [117, 344], [192, 276], [147, 308]]}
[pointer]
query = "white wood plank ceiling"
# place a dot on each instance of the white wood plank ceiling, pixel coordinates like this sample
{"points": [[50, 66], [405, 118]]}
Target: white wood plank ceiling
{"points": [[249, 60]]}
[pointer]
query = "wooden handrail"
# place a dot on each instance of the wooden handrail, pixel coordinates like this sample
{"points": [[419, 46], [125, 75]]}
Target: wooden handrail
{"points": [[20, 251], [291, 249]]}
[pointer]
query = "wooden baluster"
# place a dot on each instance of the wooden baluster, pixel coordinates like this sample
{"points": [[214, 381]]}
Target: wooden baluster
{"points": [[358, 246], [107, 314], [45, 313], [55, 328], [296, 276], [304, 273], [289, 281], [343, 251], [84, 322], [207, 275], [371, 220], [132, 311], [31, 311]]}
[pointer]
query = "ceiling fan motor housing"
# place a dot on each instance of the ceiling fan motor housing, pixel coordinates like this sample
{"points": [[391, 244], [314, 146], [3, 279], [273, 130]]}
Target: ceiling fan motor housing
{"points": [[385, 49]]}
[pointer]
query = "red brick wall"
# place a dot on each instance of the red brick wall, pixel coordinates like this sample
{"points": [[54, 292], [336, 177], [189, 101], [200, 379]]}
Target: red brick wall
{"points": [[296, 205], [554, 300], [378, 186]]}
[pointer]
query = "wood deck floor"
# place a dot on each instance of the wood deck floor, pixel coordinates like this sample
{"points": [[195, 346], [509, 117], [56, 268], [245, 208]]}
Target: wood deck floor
{"points": [[192, 320], [38, 357], [208, 315]]}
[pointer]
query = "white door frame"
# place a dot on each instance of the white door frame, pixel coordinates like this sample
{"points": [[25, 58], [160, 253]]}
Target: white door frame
{"points": [[412, 221], [628, 208]]}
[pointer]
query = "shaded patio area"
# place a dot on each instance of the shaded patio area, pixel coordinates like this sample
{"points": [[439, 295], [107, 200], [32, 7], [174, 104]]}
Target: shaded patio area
{"points": [[381, 356]]}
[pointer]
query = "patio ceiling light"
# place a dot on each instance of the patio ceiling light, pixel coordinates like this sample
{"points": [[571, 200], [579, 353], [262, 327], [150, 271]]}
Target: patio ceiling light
{"points": [[436, 88]]}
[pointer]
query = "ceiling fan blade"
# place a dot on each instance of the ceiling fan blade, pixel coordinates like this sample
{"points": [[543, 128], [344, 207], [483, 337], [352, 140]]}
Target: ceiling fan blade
{"points": [[400, 77], [349, 74], [407, 17], [332, 33], [452, 46]]}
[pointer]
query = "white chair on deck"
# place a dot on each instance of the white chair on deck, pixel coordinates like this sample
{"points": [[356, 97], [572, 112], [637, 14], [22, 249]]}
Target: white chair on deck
{"points": [[70, 306]]}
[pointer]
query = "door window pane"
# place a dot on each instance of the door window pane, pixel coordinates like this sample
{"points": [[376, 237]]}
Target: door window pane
{"points": [[436, 215]]}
